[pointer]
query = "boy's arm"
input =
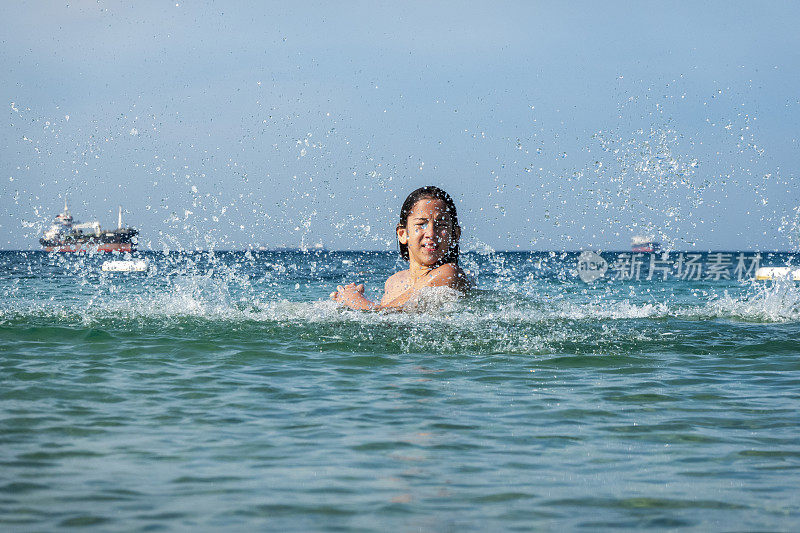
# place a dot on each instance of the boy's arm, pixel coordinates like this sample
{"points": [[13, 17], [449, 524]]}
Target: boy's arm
{"points": [[447, 275]]}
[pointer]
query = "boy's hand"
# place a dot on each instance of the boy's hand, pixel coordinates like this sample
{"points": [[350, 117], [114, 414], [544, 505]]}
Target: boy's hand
{"points": [[348, 292]]}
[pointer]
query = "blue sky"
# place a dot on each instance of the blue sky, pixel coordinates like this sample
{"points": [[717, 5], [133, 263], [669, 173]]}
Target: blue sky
{"points": [[554, 126]]}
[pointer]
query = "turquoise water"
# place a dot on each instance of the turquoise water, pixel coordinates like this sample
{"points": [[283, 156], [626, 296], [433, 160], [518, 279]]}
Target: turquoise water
{"points": [[224, 391]]}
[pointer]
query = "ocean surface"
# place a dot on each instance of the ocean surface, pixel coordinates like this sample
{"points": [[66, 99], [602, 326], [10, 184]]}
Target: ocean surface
{"points": [[224, 391]]}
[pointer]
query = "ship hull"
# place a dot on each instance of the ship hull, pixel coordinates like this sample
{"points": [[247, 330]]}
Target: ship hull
{"points": [[90, 247], [644, 249], [117, 241]]}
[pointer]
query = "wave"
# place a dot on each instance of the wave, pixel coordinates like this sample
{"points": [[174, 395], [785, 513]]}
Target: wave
{"points": [[286, 304]]}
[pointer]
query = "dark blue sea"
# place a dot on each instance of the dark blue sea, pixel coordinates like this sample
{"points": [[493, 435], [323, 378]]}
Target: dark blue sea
{"points": [[224, 391]]}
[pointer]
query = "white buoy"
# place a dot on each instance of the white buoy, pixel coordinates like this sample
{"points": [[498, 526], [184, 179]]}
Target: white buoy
{"points": [[136, 265], [772, 273]]}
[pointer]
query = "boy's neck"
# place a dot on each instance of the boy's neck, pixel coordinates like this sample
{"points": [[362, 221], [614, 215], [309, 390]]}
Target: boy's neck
{"points": [[417, 270]]}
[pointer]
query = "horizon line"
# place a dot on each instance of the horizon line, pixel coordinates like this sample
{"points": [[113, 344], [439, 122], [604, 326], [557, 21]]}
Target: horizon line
{"points": [[326, 250]]}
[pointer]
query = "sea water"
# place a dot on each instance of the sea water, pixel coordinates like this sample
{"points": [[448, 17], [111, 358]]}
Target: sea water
{"points": [[225, 391]]}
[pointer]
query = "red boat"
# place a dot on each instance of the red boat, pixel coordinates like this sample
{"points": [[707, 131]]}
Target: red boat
{"points": [[645, 244]]}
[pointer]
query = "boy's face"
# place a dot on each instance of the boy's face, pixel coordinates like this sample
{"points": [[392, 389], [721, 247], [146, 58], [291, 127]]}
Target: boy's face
{"points": [[429, 232]]}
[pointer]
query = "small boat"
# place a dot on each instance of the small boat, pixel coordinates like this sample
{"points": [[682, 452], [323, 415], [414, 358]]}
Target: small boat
{"points": [[645, 244], [773, 273], [135, 265]]}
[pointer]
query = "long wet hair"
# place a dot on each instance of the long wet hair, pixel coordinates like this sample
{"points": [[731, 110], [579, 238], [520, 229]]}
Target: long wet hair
{"points": [[434, 193]]}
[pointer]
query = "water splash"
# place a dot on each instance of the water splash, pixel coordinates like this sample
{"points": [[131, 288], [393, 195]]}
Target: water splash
{"points": [[524, 304], [774, 301]]}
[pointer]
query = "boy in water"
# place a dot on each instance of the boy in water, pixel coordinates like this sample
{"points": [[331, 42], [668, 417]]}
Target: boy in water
{"points": [[428, 234]]}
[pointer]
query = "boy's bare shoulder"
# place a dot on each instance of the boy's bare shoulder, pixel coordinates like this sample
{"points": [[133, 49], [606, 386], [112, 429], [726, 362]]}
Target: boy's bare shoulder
{"points": [[450, 275]]}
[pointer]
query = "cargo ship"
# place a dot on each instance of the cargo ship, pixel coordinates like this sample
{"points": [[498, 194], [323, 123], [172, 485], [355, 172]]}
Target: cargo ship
{"points": [[67, 235], [645, 244]]}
